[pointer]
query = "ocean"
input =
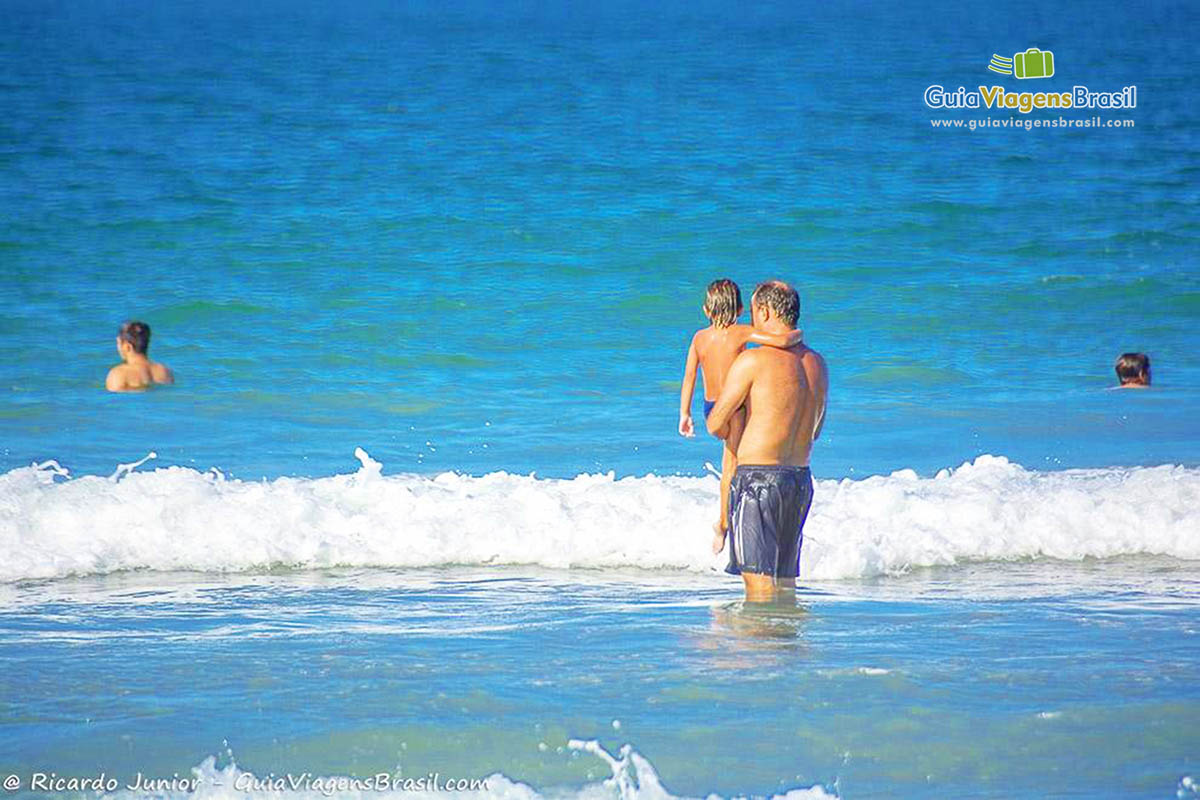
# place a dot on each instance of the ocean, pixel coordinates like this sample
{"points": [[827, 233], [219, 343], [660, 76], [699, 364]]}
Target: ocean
{"points": [[426, 274]]}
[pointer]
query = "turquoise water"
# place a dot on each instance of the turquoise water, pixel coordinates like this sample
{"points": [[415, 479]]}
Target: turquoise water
{"points": [[472, 239], [395, 224], [938, 684]]}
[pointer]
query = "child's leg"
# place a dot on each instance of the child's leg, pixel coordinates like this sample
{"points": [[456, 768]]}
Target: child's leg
{"points": [[737, 424], [728, 466]]}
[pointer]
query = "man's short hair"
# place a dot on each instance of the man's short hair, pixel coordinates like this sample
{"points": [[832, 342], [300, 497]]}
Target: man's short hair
{"points": [[137, 334], [781, 298], [1133, 367], [723, 302]]}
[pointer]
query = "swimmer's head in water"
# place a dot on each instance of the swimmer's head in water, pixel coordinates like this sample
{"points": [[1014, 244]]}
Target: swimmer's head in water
{"points": [[1133, 368], [723, 303], [781, 298], [136, 335]]}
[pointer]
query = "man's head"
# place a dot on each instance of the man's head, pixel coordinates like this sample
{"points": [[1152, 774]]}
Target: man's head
{"points": [[134, 337], [1133, 369], [723, 303], [775, 300]]}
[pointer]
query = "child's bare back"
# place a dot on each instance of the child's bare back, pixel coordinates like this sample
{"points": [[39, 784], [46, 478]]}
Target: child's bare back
{"points": [[716, 350]]}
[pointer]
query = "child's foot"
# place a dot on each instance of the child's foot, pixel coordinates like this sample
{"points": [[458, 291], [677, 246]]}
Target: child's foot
{"points": [[718, 540]]}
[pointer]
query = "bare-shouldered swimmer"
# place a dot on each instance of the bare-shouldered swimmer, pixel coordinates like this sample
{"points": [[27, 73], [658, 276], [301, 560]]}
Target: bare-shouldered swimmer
{"points": [[136, 371], [784, 393], [1133, 371]]}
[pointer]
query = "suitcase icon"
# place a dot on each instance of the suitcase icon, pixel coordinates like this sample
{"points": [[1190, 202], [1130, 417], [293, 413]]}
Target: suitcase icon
{"points": [[1033, 63]]}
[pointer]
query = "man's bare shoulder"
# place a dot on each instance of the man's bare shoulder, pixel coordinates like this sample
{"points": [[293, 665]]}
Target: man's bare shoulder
{"points": [[749, 358], [129, 378], [814, 369], [812, 357], [121, 379]]}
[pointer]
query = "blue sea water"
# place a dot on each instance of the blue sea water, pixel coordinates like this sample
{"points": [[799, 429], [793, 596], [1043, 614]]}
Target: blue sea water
{"points": [[472, 239], [933, 685], [388, 224]]}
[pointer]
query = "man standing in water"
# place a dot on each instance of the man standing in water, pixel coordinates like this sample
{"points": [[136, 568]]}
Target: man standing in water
{"points": [[136, 371], [784, 393]]}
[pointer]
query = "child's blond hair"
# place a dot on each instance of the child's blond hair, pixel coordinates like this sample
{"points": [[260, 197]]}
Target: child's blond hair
{"points": [[723, 303]]}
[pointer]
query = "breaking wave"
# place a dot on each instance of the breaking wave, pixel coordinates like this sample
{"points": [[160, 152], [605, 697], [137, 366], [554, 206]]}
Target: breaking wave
{"points": [[54, 525]]}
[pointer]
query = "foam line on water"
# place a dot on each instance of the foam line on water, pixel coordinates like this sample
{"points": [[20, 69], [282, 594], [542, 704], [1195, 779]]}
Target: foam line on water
{"points": [[633, 778], [176, 518]]}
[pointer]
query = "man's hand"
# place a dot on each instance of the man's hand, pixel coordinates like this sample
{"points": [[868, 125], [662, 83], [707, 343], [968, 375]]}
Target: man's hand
{"points": [[686, 428]]}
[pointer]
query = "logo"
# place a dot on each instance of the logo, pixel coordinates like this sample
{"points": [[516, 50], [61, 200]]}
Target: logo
{"points": [[1033, 63], [1001, 64]]}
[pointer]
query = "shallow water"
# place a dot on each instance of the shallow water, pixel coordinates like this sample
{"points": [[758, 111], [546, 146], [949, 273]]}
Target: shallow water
{"points": [[998, 680]]}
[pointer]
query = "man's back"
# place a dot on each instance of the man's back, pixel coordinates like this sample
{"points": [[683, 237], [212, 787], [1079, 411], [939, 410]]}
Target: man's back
{"points": [[781, 408], [136, 371], [137, 376], [818, 386]]}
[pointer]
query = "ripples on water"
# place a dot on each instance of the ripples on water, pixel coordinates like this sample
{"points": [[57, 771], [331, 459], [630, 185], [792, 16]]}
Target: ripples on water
{"points": [[490, 228]]}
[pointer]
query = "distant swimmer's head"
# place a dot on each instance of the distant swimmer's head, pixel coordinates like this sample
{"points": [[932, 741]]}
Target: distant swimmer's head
{"points": [[1133, 370], [775, 299], [134, 337], [723, 303]]}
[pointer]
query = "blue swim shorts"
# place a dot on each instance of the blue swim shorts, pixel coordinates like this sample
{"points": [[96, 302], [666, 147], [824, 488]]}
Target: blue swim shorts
{"points": [[768, 505]]}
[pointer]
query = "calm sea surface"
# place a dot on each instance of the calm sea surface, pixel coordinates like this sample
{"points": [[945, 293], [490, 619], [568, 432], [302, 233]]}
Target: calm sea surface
{"points": [[476, 236]]}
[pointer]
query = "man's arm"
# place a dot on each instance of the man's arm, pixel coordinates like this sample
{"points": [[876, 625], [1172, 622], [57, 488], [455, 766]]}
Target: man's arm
{"points": [[686, 428], [733, 394], [818, 378]]}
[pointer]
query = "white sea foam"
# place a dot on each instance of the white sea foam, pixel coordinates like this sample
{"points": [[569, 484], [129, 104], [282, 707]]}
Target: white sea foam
{"points": [[633, 778], [175, 518]]}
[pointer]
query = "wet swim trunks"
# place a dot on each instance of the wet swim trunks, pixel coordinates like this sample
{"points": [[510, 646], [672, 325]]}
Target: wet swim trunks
{"points": [[708, 407], [767, 508]]}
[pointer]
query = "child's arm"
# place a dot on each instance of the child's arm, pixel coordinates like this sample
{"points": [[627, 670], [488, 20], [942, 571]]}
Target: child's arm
{"points": [[774, 340], [771, 339], [686, 427]]}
